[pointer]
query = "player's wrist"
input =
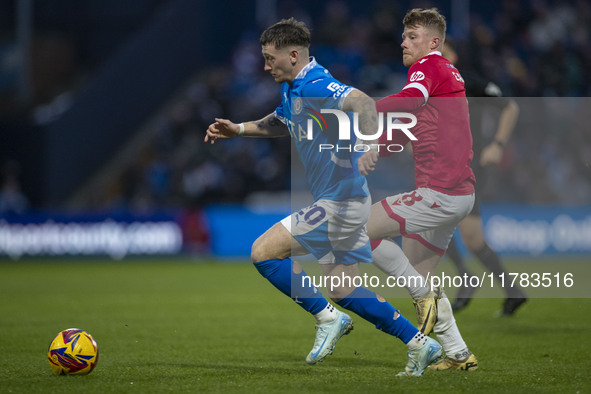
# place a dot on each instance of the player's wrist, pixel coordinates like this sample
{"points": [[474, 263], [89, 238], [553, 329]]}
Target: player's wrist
{"points": [[499, 143], [241, 129]]}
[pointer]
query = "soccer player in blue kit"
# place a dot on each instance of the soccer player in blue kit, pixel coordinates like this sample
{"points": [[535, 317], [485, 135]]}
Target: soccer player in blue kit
{"points": [[333, 227]]}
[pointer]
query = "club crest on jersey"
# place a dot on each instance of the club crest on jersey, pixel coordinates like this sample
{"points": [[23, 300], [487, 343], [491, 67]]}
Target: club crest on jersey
{"points": [[298, 105], [417, 76]]}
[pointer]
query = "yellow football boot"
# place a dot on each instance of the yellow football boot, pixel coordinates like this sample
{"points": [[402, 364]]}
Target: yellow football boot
{"points": [[470, 363], [426, 309]]}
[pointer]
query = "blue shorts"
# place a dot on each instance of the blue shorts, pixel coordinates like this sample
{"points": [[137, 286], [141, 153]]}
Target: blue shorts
{"points": [[333, 231]]}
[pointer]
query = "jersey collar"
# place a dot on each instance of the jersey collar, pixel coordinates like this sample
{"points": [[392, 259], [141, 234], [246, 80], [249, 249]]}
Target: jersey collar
{"points": [[307, 68], [428, 54]]}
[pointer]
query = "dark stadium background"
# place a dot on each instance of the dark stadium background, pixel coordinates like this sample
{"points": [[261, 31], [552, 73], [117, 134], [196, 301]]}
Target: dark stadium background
{"points": [[102, 118]]}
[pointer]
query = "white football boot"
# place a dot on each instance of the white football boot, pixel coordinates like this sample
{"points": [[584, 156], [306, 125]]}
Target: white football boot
{"points": [[327, 335], [419, 359]]}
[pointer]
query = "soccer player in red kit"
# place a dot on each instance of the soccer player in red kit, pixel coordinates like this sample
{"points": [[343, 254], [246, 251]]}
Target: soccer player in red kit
{"points": [[427, 217]]}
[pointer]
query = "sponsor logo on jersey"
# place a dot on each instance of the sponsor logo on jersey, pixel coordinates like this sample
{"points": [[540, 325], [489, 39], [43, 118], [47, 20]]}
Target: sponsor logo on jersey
{"points": [[417, 76], [337, 89]]}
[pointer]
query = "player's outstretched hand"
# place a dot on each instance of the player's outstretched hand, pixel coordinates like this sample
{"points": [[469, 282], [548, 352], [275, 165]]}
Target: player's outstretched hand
{"points": [[222, 128], [491, 155], [367, 162]]}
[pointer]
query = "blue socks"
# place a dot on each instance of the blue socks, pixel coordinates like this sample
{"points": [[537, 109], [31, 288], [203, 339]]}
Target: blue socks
{"points": [[365, 303], [280, 274], [361, 301]]}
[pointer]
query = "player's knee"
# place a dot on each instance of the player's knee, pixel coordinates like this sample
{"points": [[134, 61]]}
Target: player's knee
{"points": [[257, 251], [263, 249]]}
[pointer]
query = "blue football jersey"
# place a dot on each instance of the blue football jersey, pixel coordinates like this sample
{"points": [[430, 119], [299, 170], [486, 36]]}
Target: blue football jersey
{"points": [[331, 174]]}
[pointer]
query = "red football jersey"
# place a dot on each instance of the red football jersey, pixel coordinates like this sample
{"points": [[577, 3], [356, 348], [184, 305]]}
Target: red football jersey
{"points": [[435, 94]]}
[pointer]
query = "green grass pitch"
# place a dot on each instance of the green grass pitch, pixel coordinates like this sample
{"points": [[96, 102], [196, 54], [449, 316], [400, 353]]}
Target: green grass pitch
{"points": [[182, 326]]}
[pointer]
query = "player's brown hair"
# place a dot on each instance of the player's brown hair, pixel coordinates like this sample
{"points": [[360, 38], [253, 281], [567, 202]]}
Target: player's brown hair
{"points": [[287, 32], [429, 18]]}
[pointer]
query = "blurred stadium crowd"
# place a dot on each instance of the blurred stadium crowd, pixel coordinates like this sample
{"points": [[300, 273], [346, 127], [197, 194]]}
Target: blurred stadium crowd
{"points": [[537, 48]]}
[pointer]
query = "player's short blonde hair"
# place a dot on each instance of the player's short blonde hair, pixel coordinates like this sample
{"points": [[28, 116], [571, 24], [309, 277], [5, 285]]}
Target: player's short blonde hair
{"points": [[285, 33], [429, 18]]}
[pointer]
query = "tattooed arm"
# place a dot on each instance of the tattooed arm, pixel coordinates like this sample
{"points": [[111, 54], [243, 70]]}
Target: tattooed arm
{"points": [[363, 105], [269, 126], [360, 103]]}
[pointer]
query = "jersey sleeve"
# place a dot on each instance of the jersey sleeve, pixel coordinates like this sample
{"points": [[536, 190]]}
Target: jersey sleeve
{"points": [[280, 111], [419, 86], [478, 87], [422, 79], [331, 92], [494, 92], [279, 114]]}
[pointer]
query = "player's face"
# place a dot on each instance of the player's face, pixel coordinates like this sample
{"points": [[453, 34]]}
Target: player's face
{"points": [[278, 63], [417, 41]]}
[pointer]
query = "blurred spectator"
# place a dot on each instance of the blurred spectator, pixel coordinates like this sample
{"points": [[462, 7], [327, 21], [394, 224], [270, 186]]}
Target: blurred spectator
{"points": [[12, 199]]}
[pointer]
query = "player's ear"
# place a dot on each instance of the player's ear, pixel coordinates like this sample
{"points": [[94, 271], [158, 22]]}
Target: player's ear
{"points": [[293, 56], [435, 43]]}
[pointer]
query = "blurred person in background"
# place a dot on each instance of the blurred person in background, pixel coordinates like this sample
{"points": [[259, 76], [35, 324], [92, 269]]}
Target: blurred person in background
{"points": [[488, 151], [12, 199]]}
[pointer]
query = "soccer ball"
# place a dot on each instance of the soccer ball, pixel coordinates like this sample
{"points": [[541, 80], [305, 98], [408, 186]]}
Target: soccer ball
{"points": [[73, 352]]}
